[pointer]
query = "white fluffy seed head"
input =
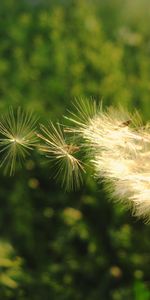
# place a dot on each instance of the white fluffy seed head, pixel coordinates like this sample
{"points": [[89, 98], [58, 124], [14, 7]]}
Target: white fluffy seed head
{"points": [[119, 147]]}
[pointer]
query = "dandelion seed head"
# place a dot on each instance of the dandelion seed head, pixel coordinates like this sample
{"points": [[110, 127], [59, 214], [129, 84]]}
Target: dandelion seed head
{"points": [[119, 149]]}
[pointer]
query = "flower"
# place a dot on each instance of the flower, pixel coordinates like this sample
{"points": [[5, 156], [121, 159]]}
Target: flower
{"points": [[119, 149], [17, 138]]}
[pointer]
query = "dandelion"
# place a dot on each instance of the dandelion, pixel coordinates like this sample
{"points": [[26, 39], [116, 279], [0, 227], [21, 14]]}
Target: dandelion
{"points": [[117, 144], [67, 168], [119, 149], [17, 138]]}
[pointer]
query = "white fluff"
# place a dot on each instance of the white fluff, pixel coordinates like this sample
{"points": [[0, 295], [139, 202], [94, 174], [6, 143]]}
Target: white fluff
{"points": [[120, 152]]}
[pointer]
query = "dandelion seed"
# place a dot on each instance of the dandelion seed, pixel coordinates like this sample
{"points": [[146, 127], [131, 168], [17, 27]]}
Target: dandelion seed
{"points": [[84, 111], [17, 138], [67, 167]]}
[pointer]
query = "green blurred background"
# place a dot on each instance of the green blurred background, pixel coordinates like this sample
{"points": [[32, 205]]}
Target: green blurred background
{"points": [[71, 246]]}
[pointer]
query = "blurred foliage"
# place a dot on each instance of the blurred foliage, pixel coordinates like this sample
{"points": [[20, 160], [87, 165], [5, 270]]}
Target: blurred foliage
{"points": [[77, 245], [11, 272]]}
